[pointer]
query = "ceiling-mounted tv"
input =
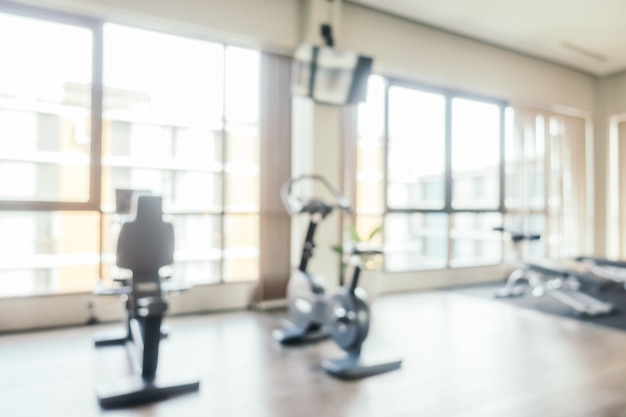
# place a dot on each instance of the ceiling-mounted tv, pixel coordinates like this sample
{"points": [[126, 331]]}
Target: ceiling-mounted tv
{"points": [[330, 76]]}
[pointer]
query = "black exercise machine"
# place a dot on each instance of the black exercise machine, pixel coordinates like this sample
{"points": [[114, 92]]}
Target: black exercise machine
{"points": [[144, 246], [612, 270], [313, 315], [559, 281]]}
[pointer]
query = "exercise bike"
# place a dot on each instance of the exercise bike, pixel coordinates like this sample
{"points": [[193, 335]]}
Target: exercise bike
{"points": [[344, 316], [144, 246], [561, 282], [306, 293]]}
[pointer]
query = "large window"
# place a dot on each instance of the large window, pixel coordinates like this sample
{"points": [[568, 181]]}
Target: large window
{"points": [[429, 168], [87, 108], [439, 170]]}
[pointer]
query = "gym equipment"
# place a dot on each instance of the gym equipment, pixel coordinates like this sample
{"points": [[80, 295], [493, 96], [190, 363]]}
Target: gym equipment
{"points": [[349, 321], [344, 316], [144, 246], [612, 270], [545, 277], [307, 300]]}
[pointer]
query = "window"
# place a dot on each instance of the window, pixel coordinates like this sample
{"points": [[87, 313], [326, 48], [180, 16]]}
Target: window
{"points": [[429, 167], [82, 113], [432, 166], [475, 148]]}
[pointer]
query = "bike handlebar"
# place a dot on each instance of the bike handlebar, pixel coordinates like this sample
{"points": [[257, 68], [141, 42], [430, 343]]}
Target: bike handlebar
{"points": [[296, 205]]}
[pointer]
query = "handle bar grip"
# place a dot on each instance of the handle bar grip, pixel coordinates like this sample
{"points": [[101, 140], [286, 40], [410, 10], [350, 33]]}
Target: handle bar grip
{"points": [[294, 205]]}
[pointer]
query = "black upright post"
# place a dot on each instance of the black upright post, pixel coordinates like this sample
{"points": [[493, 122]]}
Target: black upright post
{"points": [[307, 249], [355, 279], [152, 338]]}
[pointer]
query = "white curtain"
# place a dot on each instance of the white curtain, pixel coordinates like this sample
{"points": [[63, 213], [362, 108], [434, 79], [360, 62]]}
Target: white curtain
{"points": [[546, 180]]}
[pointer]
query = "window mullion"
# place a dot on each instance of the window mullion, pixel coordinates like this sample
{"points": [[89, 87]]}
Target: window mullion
{"points": [[448, 155], [386, 150], [224, 173], [97, 89]]}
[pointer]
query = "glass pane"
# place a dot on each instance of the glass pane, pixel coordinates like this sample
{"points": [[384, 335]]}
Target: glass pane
{"points": [[243, 192], [475, 154], [371, 113], [192, 146], [243, 147], [241, 247], [370, 196], [174, 81], [48, 252], [198, 248], [242, 167], [45, 117], [194, 191], [416, 149], [370, 158], [242, 85], [474, 242], [416, 241], [145, 142], [198, 272]]}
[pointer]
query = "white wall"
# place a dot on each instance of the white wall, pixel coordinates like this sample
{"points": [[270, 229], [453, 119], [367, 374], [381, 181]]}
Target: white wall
{"points": [[269, 24], [611, 101], [417, 52]]}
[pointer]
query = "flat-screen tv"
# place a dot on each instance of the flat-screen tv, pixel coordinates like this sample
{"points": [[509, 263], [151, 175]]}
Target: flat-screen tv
{"points": [[330, 76], [124, 199]]}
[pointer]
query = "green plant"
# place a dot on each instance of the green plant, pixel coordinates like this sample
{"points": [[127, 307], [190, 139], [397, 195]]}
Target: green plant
{"points": [[355, 238]]}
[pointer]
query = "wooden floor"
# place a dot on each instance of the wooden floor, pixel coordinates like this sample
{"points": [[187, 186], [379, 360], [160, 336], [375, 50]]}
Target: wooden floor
{"points": [[463, 356]]}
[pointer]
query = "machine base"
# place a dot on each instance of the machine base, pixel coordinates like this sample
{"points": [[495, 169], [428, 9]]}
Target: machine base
{"points": [[294, 335], [355, 367], [134, 390]]}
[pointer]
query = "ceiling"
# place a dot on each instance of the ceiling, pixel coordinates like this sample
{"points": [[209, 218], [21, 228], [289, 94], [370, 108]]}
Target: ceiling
{"points": [[589, 35]]}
